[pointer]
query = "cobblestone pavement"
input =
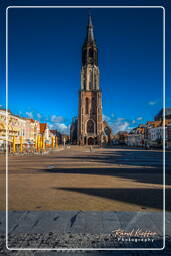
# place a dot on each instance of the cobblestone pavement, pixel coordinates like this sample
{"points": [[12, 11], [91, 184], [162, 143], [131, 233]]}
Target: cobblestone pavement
{"points": [[46, 230], [69, 241]]}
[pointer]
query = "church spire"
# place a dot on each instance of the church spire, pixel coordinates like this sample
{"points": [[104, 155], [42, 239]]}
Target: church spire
{"points": [[90, 20], [90, 34], [89, 48], [90, 123]]}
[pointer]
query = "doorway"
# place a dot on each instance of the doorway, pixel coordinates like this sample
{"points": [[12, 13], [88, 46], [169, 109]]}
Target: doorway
{"points": [[90, 141]]}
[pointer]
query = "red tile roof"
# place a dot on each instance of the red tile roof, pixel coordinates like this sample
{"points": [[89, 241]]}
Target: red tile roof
{"points": [[154, 123], [43, 127]]}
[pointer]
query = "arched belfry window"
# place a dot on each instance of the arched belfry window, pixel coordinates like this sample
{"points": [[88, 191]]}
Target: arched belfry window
{"points": [[90, 126], [91, 52], [86, 105]]}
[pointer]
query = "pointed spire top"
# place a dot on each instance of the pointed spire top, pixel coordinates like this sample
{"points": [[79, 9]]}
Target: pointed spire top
{"points": [[90, 34], [90, 20]]}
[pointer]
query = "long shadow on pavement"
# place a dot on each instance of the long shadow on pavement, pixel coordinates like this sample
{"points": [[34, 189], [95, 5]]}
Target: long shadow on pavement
{"points": [[134, 196]]}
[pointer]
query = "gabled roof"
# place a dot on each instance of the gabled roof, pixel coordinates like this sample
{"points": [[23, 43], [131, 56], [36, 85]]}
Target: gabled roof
{"points": [[3, 109], [154, 123], [43, 127]]}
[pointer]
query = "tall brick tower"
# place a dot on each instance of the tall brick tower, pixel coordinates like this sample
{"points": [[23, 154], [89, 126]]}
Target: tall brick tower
{"points": [[90, 124]]}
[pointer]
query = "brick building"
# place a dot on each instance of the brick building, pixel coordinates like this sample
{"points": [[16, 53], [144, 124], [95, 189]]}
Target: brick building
{"points": [[90, 123]]}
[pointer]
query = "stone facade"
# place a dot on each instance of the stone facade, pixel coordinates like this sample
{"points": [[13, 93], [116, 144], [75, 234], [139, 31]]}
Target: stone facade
{"points": [[90, 123]]}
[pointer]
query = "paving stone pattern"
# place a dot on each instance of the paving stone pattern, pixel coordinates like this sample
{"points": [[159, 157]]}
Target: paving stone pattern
{"points": [[79, 229]]}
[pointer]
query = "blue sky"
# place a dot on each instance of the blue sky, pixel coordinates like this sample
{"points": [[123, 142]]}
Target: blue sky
{"points": [[45, 62]]}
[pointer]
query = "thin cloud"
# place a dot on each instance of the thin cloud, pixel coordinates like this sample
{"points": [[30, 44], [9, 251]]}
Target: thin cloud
{"points": [[56, 119], [152, 103], [39, 116], [120, 125], [61, 127], [139, 118], [29, 115], [120, 119], [106, 118]]}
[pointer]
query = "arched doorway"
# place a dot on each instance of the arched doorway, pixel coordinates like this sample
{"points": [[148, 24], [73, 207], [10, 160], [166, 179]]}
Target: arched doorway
{"points": [[90, 141]]}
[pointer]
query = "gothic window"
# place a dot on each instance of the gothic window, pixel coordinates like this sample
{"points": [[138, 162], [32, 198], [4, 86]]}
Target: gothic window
{"points": [[86, 105], [93, 105], [90, 79], [90, 126], [91, 52]]}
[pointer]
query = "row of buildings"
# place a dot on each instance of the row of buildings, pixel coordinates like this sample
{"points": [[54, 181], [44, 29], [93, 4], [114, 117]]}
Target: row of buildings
{"points": [[26, 130], [150, 134]]}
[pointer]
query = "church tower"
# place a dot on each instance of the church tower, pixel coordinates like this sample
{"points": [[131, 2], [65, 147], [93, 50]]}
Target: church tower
{"points": [[90, 124]]}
